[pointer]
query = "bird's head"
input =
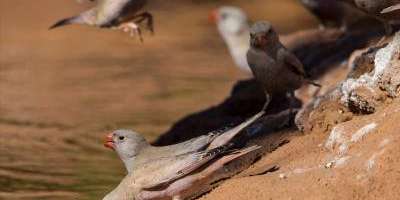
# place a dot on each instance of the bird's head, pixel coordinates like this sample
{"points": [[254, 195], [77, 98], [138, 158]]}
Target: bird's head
{"points": [[230, 20], [126, 143], [311, 3], [262, 34]]}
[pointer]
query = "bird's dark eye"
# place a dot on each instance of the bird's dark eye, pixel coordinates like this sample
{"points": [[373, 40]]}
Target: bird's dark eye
{"points": [[121, 137], [224, 15]]}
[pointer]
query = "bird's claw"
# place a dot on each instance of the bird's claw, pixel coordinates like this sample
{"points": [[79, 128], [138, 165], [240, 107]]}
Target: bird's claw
{"points": [[131, 28]]}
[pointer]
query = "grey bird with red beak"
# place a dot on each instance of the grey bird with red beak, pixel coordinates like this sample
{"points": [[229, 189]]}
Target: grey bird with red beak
{"points": [[151, 167], [277, 69], [134, 150], [233, 26], [120, 14]]}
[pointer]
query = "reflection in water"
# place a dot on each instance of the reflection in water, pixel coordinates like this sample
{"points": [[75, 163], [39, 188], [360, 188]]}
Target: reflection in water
{"points": [[63, 90]]}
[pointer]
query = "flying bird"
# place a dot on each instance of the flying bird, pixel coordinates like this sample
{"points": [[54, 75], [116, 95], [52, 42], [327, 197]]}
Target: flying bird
{"points": [[277, 69], [232, 24], [119, 14]]}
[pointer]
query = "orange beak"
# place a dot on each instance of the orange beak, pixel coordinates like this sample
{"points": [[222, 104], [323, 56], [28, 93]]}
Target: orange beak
{"points": [[213, 16], [108, 142]]}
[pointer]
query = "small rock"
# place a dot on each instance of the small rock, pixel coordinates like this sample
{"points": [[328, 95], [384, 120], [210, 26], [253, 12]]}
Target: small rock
{"points": [[282, 176], [329, 165]]}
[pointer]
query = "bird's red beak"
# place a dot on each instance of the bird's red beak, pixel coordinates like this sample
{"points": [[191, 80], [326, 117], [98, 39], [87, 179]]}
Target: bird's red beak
{"points": [[108, 142], [212, 17]]}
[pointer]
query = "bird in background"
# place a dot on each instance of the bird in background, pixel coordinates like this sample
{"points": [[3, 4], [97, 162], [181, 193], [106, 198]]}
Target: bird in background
{"points": [[333, 13], [118, 14], [151, 167], [277, 69], [391, 9], [382, 10], [233, 26]]}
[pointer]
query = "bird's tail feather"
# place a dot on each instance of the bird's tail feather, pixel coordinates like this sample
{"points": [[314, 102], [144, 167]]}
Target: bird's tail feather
{"points": [[391, 9], [313, 83], [63, 22]]}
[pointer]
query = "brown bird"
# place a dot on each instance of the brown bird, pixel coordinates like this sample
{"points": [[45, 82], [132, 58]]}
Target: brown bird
{"points": [[378, 9], [120, 14], [333, 13], [277, 69]]}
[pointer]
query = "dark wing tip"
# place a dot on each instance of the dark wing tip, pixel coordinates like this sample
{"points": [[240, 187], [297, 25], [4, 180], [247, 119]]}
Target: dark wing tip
{"points": [[62, 22]]}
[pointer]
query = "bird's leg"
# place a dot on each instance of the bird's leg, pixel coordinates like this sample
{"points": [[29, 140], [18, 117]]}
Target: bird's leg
{"points": [[149, 20], [131, 28], [291, 98], [388, 28], [267, 101]]}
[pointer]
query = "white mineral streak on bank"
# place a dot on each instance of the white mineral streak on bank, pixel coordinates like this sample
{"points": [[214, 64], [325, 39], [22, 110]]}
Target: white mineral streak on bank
{"points": [[371, 161], [335, 137], [385, 55], [360, 134]]}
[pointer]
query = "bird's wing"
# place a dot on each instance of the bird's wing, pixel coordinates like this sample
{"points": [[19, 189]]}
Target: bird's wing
{"points": [[109, 11], [195, 180], [193, 145], [391, 9], [290, 59], [226, 137], [166, 170]]}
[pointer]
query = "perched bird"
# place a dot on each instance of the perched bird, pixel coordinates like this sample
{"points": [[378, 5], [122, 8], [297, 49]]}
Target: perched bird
{"points": [[333, 13], [120, 14], [134, 150], [233, 26], [378, 9], [274, 67], [149, 166]]}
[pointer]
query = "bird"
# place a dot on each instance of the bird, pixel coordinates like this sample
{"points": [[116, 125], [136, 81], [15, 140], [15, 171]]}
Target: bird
{"points": [[391, 9], [173, 180], [149, 166], [134, 150], [118, 14], [333, 13], [378, 9], [277, 69], [233, 26]]}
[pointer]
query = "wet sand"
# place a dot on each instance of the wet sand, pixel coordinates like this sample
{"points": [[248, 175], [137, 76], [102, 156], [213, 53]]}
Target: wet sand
{"points": [[61, 91]]}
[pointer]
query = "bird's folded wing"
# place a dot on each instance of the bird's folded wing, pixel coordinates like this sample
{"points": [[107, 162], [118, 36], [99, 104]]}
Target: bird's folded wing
{"points": [[295, 65], [193, 145], [195, 181], [226, 137], [166, 170]]}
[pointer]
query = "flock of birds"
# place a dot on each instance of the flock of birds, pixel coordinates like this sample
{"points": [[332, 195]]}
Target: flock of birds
{"points": [[171, 172]]}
